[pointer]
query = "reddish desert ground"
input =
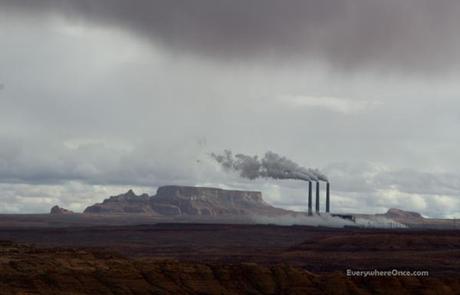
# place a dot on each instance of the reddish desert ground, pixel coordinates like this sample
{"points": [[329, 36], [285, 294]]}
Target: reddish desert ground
{"points": [[225, 259]]}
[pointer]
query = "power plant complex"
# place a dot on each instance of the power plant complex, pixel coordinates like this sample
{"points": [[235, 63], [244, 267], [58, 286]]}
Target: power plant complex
{"points": [[275, 166]]}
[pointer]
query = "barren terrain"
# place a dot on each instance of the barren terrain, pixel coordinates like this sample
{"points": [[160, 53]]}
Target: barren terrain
{"points": [[225, 259], [28, 270]]}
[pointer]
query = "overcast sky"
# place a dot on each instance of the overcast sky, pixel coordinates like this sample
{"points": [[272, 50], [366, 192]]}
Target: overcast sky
{"points": [[99, 96]]}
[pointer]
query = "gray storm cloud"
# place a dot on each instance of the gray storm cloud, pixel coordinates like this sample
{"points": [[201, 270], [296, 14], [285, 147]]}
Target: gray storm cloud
{"points": [[89, 87], [271, 165], [405, 35]]}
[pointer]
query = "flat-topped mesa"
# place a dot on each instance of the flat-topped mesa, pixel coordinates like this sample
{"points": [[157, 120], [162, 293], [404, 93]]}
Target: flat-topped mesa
{"points": [[208, 194], [188, 201], [398, 213]]}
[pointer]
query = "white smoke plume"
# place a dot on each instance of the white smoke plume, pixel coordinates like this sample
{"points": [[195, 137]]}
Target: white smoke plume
{"points": [[271, 165], [300, 219], [328, 221]]}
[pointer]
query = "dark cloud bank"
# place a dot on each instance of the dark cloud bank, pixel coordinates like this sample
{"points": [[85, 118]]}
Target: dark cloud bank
{"points": [[401, 35], [410, 132]]}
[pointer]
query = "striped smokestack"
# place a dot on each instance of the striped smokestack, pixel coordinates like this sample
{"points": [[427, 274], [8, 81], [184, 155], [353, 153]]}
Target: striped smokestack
{"points": [[328, 204], [310, 209], [317, 198]]}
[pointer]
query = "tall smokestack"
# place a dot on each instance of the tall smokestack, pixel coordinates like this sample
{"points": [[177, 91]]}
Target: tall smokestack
{"points": [[328, 197], [317, 197], [310, 209]]}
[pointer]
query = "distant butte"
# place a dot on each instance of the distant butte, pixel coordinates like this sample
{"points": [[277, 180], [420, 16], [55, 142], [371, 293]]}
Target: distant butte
{"points": [[174, 203], [401, 214], [59, 210], [188, 201]]}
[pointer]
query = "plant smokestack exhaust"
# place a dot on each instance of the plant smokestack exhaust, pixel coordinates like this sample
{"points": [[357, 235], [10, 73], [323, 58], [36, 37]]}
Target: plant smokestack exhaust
{"points": [[271, 165], [274, 166]]}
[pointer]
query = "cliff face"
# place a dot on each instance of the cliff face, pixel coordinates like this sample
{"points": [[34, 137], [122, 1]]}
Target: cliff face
{"points": [[183, 200], [401, 214], [404, 217], [124, 203], [186, 200]]}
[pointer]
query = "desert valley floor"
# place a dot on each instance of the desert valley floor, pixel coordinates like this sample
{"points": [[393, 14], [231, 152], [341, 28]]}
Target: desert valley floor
{"points": [[224, 259]]}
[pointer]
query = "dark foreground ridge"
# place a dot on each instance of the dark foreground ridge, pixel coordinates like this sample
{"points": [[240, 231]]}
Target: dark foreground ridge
{"points": [[28, 270], [316, 249]]}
